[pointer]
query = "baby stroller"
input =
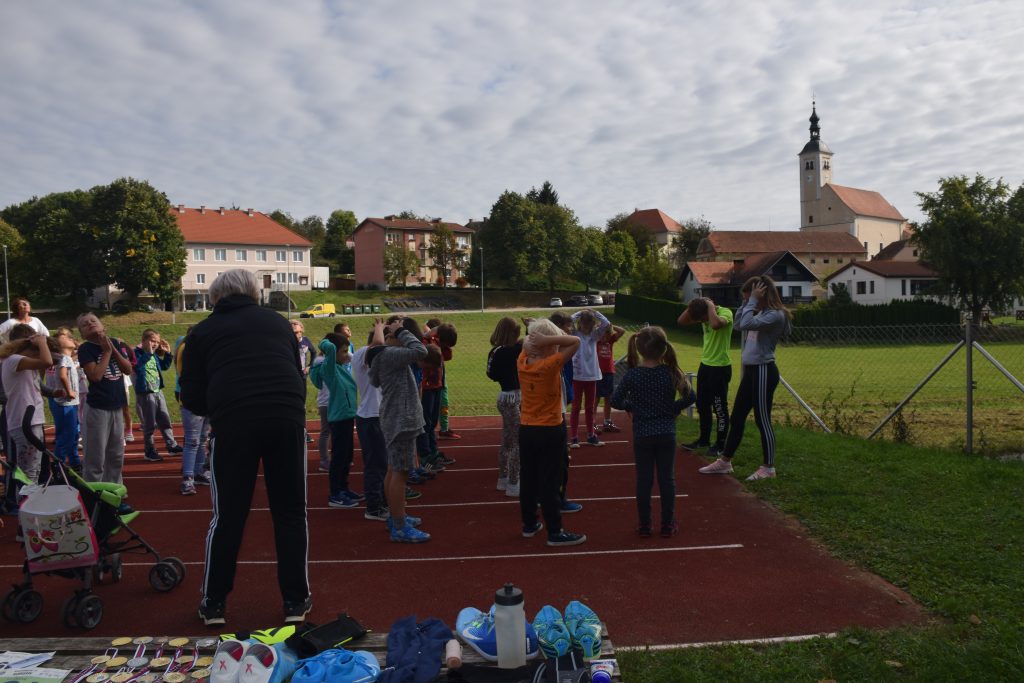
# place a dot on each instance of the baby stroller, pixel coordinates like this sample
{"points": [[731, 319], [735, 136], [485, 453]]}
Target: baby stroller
{"points": [[81, 541]]}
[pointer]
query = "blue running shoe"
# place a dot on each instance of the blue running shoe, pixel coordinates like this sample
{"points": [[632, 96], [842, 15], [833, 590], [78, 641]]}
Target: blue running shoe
{"points": [[267, 664], [341, 501], [476, 628], [409, 534], [555, 639], [409, 519], [353, 667], [312, 670], [585, 628]]}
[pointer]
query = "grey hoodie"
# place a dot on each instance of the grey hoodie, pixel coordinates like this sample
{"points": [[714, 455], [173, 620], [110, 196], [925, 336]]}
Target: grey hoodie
{"points": [[401, 413], [762, 330]]}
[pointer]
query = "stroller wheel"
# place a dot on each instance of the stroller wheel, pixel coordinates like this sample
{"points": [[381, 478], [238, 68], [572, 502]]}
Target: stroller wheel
{"points": [[89, 611], [179, 566], [67, 612], [163, 576], [27, 605], [8, 606], [116, 569]]}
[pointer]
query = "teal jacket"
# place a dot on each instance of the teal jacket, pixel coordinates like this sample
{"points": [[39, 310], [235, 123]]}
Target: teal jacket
{"points": [[340, 383]]}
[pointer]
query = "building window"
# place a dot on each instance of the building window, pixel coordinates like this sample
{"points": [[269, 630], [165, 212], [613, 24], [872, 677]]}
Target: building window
{"points": [[918, 287], [915, 253], [810, 219], [872, 286], [297, 256], [839, 260], [200, 254], [825, 165], [814, 260], [200, 278], [796, 292], [826, 259], [394, 237], [281, 255], [861, 287], [241, 255], [865, 246], [280, 278], [220, 254], [809, 165], [293, 278], [881, 246], [261, 255]]}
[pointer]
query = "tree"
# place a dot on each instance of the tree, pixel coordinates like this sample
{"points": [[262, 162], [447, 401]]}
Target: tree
{"points": [[146, 248], [683, 247], [399, 263], [445, 253], [284, 218], [546, 195], [840, 294], [512, 240], [591, 265], [974, 238], [559, 248], [619, 258], [12, 241], [654, 277], [340, 226], [413, 216], [620, 222]]}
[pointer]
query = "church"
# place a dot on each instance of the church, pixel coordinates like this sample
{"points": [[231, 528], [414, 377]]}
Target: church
{"points": [[827, 207]]}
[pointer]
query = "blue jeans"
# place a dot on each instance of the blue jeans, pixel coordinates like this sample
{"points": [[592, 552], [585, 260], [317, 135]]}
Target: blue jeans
{"points": [[426, 443], [375, 460], [65, 423], [196, 428]]}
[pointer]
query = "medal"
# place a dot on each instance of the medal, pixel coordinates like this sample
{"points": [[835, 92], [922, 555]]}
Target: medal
{"points": [[146, 678], [204, 661], [100, 659], [187, 659], [117, 661], [199, 674], [174, 677], [161, 640], [98, 678], [158, 662], [120, 642], [143, 640], [121, 677], [178, 642], [207, 643], [137, 662]]}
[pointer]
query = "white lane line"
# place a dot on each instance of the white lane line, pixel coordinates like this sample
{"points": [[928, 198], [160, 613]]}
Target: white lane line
{"points": [[413, 504], [720, 643]]}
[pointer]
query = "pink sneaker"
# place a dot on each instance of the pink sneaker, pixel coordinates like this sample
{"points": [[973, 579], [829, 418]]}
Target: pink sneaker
{"points": [[762, 472], [720, 466]]}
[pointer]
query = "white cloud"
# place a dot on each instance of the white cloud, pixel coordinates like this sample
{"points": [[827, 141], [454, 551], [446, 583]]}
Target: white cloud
{"points": [[694, 108]]}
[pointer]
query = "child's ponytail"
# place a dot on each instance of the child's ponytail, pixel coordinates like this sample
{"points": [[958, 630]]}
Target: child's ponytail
{"points": [[679, 380], [632, 355]]}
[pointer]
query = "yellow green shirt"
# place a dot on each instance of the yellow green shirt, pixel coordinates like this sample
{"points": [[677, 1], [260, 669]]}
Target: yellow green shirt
{"points": [[716, 342]]}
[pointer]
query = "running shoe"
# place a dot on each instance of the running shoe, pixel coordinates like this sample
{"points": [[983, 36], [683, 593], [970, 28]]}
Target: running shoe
{"points": [[354, 495], [411, 494], [694, 445], [762, 472], [571, 506], [309, 439], [267, 664], [444, 459], [341, 501], [175, 449], [530, 530], [324, 467], [610, 427], [409, 534], [409, 519], [552, 633], [564, 537], [188, 487], [575, 443], [152, 457], [201, 478], [295, 612], [476, 629], [592, 440], [502, 483], [585, 628], [128, 436], [720, 466], [377, 514], [448, 434], [644, 531], [669, 530], [212, 614]]}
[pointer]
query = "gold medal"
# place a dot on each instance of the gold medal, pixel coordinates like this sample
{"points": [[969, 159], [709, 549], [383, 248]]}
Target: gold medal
{"points": [[185, 659], [146, 678], [100, 659], [117, 661], [143, 640], [174, 677], [200, 673], [158, 662], [178, 642], [120, 642], [121, 677], [204, 661], [98, 678]]}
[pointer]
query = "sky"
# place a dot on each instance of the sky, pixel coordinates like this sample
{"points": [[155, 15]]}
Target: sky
{"points": [[695, 108]]}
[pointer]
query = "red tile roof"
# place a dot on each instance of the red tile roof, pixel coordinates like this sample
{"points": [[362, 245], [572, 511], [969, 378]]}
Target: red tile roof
{"points": [[731, 273], [234, 227], [890, 269], [711, 272], [798, 242], [406, 224], [866, 203], [654, 220]]}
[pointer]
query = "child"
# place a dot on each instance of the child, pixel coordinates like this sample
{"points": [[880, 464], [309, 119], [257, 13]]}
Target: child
{"points": [[126, 412], [542, 430], [195, 426], [764, 319], [152, 356], [589, 327], [714, 373], [606, 362], [323, 402], [401, 418], [19, 372], [432, 369], [341, 415], [501, 367], [371, 438], [64, 375], [446, 340], [564, 323], [648, 391]]}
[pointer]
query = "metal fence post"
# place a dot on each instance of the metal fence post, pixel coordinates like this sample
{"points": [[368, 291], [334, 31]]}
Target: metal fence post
{"points": [[969, 342]]}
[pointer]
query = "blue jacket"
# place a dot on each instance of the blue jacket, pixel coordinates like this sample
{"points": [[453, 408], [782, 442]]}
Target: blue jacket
{"points": [[341, 384], [142, 358]]}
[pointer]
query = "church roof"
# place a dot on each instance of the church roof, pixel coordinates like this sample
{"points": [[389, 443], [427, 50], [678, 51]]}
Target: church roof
{"points": [[762, 241], [654, 220], [866, 202]]}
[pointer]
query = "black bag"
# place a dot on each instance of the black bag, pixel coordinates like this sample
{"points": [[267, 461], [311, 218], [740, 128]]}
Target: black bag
{"points": [[316, 639]]}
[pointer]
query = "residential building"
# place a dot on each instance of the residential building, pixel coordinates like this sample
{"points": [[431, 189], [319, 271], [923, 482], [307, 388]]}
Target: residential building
{"points": [[821, 252], [374, 234], [659, 225], [827, 207], [882, 281], [900, 250], [721, 281]]}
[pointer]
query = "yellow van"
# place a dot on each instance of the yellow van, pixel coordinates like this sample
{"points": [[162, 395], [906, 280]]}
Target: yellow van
{"points": [[319, 311]]}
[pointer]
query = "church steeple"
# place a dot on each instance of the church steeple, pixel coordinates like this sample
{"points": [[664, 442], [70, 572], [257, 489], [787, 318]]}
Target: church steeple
{"points": [[815, 171], [815, 130], [815, 144]]}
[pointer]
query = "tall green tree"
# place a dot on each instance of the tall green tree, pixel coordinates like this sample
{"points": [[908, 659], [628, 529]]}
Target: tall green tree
{"points": [[147, 249], [619, 258], [974, 238], [642, 239], [512, 240], [399, 263], [592, 244], [340, 226], [683, 246], [284, 218], [445, 253], [312, 228], [12, 242], [560, 247], [654, 277], [546, 195]]}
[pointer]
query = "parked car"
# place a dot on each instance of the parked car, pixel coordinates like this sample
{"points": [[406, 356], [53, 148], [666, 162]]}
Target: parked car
{"points": [[122, 306], [555, 302], [319, 311], [595, 300], [578, 300]]}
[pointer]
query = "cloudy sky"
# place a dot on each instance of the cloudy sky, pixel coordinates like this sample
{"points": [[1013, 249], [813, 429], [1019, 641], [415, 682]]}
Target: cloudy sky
{"points": [[696, 108]]}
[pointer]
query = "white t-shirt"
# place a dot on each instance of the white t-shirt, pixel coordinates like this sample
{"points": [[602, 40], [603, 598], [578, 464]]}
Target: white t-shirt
{"points": [[369, 395], [22, 387], [8, 325], [53, 379], [323, 395]]}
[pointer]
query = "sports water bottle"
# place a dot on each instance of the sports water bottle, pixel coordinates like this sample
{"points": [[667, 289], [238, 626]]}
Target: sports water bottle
{"points": [[510, 627]]}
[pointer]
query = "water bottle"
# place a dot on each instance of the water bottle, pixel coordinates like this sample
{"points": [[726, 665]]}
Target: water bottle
{"points": [[510, 627]]}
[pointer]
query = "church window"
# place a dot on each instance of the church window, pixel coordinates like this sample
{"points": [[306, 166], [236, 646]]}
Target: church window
{"points": [[810, 219], [825, 164], [809, 165]]}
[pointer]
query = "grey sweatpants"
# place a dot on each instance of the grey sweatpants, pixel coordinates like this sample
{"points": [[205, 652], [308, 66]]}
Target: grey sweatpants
{"points": [[104, 445], [29, 459], [153, 408]]}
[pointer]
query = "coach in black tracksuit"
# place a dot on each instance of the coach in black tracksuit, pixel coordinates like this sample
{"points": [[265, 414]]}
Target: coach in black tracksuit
{"points": [[241, 369]]}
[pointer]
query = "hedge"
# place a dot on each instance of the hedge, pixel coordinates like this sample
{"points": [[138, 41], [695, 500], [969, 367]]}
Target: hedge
{"points": [[643, 310]]}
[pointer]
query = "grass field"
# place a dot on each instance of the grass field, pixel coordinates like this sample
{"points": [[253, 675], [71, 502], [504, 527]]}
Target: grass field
{"points": [[851, 387]]}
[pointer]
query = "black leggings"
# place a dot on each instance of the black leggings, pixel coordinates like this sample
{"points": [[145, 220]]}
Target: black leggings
{"points": [[713, 402], [756, 390]]}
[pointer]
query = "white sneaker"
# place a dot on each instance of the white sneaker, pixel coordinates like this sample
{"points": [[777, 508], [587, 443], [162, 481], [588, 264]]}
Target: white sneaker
{"points": [[762, 472], [720, 466], [512, 491], [502, 483]]}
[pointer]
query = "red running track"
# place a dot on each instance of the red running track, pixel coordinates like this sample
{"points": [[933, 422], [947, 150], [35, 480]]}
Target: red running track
{"points": [[737, 570]]}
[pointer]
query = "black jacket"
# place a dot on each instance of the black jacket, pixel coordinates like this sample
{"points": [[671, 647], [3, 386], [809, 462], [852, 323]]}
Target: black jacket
{"points": [[241, 365]]}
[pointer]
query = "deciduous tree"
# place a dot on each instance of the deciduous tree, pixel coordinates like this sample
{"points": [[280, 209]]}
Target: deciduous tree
{"points": [[340, 226], [445, 253], [683, 246], [399, 263]]}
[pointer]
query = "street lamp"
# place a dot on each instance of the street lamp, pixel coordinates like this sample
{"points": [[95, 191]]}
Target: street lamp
{"points": [[481, 278], [288, 278], [7, 286]]}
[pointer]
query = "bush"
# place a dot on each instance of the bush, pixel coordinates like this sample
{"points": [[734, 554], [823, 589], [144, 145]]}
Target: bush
{"points": [[643, 309], [892, 313]]}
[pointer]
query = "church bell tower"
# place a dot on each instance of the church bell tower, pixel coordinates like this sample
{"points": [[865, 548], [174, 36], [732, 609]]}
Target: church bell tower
{"points": [[815, 171]]}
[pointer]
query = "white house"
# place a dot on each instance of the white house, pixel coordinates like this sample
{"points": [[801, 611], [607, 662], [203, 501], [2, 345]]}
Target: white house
{"points": [[879, 282], [721, 281]]}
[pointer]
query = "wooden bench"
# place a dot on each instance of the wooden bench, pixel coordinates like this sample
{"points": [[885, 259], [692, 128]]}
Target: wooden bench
{"points": [[74, 653]]}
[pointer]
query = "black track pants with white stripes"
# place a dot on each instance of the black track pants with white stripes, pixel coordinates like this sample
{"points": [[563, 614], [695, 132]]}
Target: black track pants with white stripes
{"points": [[756, 391]]}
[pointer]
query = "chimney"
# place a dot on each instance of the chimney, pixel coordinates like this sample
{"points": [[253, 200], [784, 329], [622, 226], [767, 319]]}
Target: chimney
{"points": [[249, 211], [222, 211], [202, 209], [181, 208]]}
